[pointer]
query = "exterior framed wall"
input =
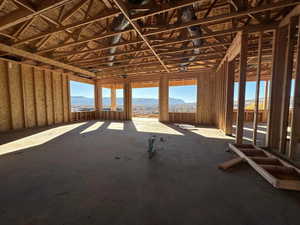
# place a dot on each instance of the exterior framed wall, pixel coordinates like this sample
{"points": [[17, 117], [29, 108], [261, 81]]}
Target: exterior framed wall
{"points": [[32, 96]]}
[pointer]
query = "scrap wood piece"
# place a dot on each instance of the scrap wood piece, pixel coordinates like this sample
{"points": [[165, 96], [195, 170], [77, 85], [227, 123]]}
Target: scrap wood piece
{"points": [[283, 176], [231, 163]]}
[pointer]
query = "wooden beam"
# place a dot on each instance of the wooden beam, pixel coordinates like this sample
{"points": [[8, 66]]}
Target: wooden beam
{"points": [[137, 28], [295, 120], [233, 50], [28, 55], [286, 20], [94, 38], [164, 8], [102, 16], [242, 87], [258, 77], [94, 50], [220, 18], [21, 15]]}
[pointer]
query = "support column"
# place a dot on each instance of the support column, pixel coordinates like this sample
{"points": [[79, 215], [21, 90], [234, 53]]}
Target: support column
{"points": [[279, 55], [295, 120], [229, 97], [287, 78], [127, 100], [98, 97], [242, 87], [163, 99], [113, 97]]}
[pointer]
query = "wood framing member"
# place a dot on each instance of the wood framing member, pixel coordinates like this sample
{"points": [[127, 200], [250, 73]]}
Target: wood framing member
{"points": [[242, 87], [295, 120], [28, 55], [94, 38], [229, 97], [286, 85], [258, 76], [127, 100], [233, 50], [137, 28], [103, 16], [220, 18], [96, 95], [279, 55], [164, 99], [21, 15], [113, 96], [276, 171], [164, 8]]}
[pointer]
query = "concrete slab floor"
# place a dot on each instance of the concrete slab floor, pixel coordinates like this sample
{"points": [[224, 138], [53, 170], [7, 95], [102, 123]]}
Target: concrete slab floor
{"points": [[99, 173]]}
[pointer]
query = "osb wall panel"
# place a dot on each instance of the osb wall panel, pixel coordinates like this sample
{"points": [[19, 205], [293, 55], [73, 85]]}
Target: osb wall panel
{"points": [[15, 94], [102, 115], [175, 117], [39, 84], [5, 100], [205, 99], [32, 96], [30, 112], [48, 96]]}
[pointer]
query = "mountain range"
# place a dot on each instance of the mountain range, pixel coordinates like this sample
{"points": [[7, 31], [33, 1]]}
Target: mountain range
{"points": [[81, 100]]}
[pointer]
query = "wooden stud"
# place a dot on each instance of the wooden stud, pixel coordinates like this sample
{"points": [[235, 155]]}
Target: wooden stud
{"points": [[242, 85], [229, 97], [285, 102], [258, 77], [279, 55]]}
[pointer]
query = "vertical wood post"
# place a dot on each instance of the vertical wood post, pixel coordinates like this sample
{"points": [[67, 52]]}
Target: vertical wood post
{"points": [[285, 103], [163, 99], [97, 97], [258, 74], [113, 96], [128, 100], [278, 56], [69, 98], [266, 95], [242, 85], [229, 97], [295, 120]]}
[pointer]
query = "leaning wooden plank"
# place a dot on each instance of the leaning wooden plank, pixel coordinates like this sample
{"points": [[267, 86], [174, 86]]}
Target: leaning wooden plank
{"points": [[231, 163], [269, 177], [28, 55], [285, 176]]}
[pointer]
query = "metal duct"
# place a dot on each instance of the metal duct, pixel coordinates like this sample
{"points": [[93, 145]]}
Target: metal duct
{"points": [[121, 23], [188, 14]]}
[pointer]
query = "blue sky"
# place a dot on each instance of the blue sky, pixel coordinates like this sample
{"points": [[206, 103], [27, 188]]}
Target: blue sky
{"points": [[186, 93], [81, 89]]}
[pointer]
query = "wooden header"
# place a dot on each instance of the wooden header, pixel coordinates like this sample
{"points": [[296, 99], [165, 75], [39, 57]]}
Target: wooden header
{"points": [[28, 55]]}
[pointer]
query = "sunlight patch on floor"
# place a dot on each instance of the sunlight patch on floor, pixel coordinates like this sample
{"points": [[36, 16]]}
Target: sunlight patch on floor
{"points": [[151, 125], [210, 133], [116, 126], [37, 139], [93, 127]]}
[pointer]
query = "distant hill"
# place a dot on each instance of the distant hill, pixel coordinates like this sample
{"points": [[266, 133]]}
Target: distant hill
{"points": [[81, 100]]}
